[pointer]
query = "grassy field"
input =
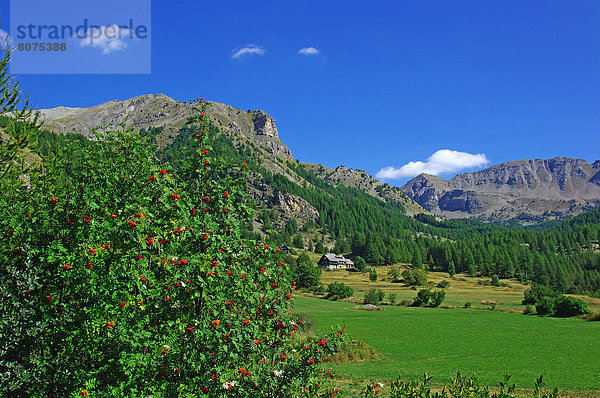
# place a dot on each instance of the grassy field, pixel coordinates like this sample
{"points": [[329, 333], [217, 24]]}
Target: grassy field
{"points": [[412, 341], [462, 289]]}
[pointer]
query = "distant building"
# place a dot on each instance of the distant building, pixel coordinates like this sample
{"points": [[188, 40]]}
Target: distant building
{"points": [[334, 261], [284, 248]]}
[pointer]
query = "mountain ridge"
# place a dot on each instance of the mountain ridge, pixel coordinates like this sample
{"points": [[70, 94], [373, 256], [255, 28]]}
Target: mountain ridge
{"points": [[532, 187], [159, 110], [526, 190], [253, 130]]}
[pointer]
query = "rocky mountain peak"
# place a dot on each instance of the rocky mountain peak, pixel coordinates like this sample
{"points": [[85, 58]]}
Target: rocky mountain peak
{"points": [[159, 110], [530, 186], [264, 124]]}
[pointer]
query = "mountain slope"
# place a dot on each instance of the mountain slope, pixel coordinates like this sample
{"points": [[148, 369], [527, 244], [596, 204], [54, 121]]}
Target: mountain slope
{"points": [[253, 133], [158, 110], [361, 180], [525, 190]]}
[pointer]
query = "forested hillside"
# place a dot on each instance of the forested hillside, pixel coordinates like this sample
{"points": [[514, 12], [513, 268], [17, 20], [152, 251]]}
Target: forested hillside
{"points": [[564, 257]]}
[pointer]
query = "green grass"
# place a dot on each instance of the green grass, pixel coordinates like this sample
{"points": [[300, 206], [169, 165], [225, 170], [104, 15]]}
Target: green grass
{"points": [[441, 342]]}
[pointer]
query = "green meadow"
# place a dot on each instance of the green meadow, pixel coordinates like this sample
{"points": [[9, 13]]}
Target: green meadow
{"points": [[441, 342]]}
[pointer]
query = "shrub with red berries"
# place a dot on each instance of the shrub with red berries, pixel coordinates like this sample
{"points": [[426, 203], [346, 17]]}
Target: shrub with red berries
{"points": [[174, 303]]}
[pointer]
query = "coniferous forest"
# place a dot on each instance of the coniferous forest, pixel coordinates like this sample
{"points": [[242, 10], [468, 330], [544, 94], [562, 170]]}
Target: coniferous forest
{"points": [[563, 257]]}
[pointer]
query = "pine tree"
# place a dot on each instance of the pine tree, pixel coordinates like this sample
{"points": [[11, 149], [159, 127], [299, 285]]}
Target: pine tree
{"points": [[417, 261], [451, 268]]}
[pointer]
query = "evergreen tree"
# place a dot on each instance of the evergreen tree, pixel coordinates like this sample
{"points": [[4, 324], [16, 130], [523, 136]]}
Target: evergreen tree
{"points": [[360, 264], [416, 260], [307, 275], [451, 268], [319, 248], [297, 242], [373, 275]]}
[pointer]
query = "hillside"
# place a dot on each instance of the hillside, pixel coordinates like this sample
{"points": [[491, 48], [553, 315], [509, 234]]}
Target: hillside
{"points": [[361, 180], [526, 191], [255, 136], [313, 207], [158, 110]]}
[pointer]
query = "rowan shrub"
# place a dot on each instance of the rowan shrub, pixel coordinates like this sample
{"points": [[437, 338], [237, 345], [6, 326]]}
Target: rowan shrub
{"points": [[121, 276]]}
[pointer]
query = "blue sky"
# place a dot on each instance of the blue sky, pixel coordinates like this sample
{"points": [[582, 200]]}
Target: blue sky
{"points": [[393, 82]]}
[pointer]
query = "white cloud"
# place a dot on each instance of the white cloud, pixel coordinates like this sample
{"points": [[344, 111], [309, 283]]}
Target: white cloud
{"points": [[308, 51], [248, 49], [442, 161], [109, 38], [4, 38]]}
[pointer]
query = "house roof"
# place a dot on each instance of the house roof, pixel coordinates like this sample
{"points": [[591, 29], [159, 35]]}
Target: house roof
{"points": [[335, 258]]}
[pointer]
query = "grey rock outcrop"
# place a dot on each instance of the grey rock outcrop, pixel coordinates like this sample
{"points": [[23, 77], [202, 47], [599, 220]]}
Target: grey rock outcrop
{"points": [[158, 110], [295, 207], [533, 186]]}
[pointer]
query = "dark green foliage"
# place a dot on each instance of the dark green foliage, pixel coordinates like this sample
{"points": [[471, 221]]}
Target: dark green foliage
{"points": [[392, 297], [417, 260], [341, 246], [429, 298], [545, 306], [415, 277], [297, 242], [566, 306], [339, 291], [451, 268], [360, 264], [495, 281], [373, 275], [472, 270], [535, 293], [305, 273], [443, 284], [548, 302], [291, 227], [374, 296], [319, 248]]}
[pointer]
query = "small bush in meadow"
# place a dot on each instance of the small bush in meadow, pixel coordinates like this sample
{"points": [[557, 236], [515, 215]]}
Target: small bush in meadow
{"points": [[443, 284], [415, 277], [373, 275], [495, 281], [339, 291], [545, 306], [374, 296], [392, 297], [429, 298], [567, 306]]}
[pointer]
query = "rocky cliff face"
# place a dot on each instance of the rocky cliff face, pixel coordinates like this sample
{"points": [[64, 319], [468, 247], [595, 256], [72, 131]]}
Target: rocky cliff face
{"points": [[159, 110], [560, 186]]}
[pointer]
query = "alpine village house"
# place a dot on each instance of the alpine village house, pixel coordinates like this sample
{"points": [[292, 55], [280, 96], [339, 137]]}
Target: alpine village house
{"points": [[334, 261]]}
